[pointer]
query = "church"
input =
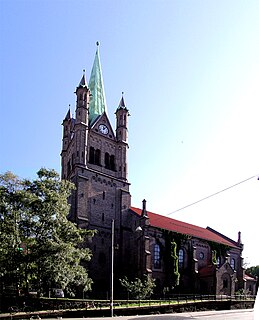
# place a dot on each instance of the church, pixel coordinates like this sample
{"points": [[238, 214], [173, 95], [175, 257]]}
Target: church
{"points": [[181, 257]]}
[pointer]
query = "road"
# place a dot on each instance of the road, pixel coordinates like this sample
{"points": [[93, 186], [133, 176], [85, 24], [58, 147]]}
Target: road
{"points": [[246, 314], [206, 315]]}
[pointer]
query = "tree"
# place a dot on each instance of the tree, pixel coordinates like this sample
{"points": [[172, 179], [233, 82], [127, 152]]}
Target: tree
{"points": [[254, 271], [139, 289], [39, 247]]}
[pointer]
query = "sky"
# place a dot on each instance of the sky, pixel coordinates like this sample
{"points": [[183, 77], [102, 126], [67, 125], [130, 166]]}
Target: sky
{"points": [[189, 71]]}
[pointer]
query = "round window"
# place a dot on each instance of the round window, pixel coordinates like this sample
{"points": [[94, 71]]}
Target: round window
{"points": [[201, 255]]}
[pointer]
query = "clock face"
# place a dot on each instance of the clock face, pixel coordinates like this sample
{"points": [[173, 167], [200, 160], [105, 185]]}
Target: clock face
{"points": [[103, 129]]}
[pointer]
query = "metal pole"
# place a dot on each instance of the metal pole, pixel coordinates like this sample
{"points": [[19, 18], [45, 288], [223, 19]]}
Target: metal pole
{"points": [[112, 262]]}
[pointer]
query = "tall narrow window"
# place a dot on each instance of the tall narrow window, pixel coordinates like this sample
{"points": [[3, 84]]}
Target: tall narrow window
{"points": [[91, 155], [94, 156], [107, 160], [157, 256], [233, 264], [97, 157], [181, 259], [112, 162], [218, 262], [225, 283], [68, 167]]}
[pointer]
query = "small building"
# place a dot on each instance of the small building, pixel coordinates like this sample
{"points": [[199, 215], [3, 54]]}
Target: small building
{"points": [[249, 284]]}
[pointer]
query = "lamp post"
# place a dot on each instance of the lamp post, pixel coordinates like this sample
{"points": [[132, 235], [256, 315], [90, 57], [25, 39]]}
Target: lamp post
{"points": [[139, 232], [112, 265]]}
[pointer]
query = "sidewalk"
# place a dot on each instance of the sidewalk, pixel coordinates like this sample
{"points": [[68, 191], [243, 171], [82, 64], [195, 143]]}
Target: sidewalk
{"points": [[188, 315]]}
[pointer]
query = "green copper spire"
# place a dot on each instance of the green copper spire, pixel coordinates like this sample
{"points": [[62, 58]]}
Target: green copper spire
{"points": [[97, 103]]}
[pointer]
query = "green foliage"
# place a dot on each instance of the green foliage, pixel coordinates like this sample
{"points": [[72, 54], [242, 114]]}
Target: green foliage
{"points": [[253, 271], [39, 247], [214, 257], [220, 249], [139, 289], [175, 263], [172, 243]]}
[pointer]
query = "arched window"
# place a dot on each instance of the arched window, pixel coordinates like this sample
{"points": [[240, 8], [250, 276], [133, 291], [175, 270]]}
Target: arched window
{"points": [[181, 259], [225, 283], [94, 156], [112, 162], [233, 264], [91, 155], [107, 160], [218, 262], [157, 256], [97, 159]]}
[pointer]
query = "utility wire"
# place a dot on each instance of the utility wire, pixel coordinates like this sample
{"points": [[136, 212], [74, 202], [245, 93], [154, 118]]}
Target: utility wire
{"points": [[214, 194]]}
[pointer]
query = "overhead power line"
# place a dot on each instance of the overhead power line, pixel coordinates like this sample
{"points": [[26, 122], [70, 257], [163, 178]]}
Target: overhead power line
{"points": [[214, 194]]}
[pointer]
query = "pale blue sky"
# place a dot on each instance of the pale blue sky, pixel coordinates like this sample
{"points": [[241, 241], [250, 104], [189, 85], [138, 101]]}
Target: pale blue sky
{"points": [[190, 73]]}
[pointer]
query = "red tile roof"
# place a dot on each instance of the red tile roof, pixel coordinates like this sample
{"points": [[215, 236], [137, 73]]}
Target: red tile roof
{"points": [[249, 278], [207, 271], [167, 223]]}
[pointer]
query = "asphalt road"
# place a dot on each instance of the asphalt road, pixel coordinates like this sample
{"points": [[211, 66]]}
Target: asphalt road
{"points": [[211, 315], [246, 314]]}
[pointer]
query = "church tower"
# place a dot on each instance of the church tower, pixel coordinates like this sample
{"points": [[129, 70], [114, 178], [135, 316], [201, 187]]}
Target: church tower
{"points": [[94, 158]]}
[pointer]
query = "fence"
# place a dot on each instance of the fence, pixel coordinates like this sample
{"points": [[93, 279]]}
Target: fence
{"points": [[63, 304]]}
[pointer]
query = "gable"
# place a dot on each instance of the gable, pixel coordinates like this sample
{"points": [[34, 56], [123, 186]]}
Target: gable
{"points": [[226, 268], [102, 126]]}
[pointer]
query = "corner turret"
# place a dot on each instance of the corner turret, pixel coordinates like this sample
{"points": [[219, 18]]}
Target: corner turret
{"points": [[122, 114], [67, 128], [81, 123], [82, 94]]}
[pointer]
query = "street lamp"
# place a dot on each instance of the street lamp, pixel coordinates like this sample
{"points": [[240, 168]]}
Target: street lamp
{"points": [[112, 266]]}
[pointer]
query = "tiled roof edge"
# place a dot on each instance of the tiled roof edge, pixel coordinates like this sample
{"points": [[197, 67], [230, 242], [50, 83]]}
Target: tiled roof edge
{"points": [[223, 236]]}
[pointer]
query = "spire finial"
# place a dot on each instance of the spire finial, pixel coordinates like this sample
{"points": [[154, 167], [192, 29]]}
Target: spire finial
{"points": [[97, 43], [144, 210], [69, 115]]}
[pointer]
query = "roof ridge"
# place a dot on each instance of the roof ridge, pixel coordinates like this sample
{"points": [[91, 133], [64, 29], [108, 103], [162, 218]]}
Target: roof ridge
{"points": [[173, 219], [221, 235], [178, 226]]}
